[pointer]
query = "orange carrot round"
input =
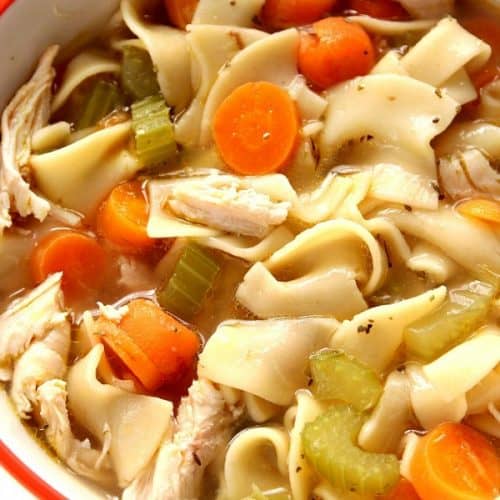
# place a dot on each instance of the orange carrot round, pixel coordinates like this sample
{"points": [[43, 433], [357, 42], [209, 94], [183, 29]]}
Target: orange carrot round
{"points": [[454, 461], [256, 128], [80, 258], [277, 14], [335, 50], [486, 210], [180, 12], [381, 9], [154, 346], [402, 491], [123, 217]]}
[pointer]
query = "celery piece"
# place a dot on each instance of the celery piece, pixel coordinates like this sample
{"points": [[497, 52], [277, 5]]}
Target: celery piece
{"points": [[193, 276], [104, 96], [153, 130], [465, 309], [339, 376], [139, 78], [330, 446]]}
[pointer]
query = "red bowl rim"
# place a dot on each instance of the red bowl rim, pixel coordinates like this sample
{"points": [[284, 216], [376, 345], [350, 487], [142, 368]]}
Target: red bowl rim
{"points": [[25, 476]]}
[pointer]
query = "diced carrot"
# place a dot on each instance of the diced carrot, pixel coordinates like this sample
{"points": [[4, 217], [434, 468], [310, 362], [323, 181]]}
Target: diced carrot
{"points": [[180, 12], [402, 491], [486, 210], [381, 9], [335, 50], [154, 346], [79, 256], [122, 218], [487, 29], [277, 14], [256, 128], [454, 461]]}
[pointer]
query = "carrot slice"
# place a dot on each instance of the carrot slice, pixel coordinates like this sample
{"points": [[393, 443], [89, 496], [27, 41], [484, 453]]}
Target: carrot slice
{"points": [[153, 345], [123, 217], [277, 14], [404, 490], [256, 128], [128, 352], [487, 210], [455, 461], [81, 259], [180, 12], [381, 9], [335, 50]]}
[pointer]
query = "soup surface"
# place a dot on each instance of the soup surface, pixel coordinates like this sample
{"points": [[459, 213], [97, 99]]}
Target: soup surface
{"points": [[251, 250]]}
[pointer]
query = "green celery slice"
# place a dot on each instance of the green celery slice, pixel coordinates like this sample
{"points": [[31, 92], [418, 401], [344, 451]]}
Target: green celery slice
{"points": [[337, 375], [330, 446], [193, 276], [139, 78], [103, 97], [153, 130], [463, 312]]}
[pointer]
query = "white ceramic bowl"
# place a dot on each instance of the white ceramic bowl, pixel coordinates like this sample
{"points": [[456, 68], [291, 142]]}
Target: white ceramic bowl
{"points": [[27, 27]]}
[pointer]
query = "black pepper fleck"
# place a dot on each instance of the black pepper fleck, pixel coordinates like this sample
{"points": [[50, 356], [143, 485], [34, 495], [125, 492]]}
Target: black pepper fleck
{"points": [[435, 120], [298, 469], [196, 459], [408, 208]]}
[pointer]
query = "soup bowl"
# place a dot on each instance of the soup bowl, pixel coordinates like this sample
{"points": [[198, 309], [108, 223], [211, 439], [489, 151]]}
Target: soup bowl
{"points": [[42, 23]]}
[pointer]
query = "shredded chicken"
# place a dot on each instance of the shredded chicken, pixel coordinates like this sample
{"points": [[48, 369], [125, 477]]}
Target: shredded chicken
{"points": [[29, 318], [467, 174], [204, 425], [44, 360], [428, 9], [78, 455], [227, 205], [28, 111]]}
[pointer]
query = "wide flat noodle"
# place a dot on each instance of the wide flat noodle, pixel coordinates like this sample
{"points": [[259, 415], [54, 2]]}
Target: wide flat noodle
{"points": [[441, 57], [256, 457], [98, 162], [456, 236], [385, 428], [355, 111], [211, 48], [227, 12], [391, 28], [374, 336], [267, 358], [168, 49], [125, 415], [301, 474], [85, 65]]}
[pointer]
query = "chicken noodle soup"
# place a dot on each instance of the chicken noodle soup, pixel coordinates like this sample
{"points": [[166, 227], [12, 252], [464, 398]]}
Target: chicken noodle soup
{"points": [[251, 250]]}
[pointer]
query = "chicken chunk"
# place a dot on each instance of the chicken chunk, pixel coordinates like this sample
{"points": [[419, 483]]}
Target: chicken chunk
{"points": [[44, 360], [30, 318], [228, 206], [78, 455], [467, 174], [204, 425], [28, 111], [428, 9]]}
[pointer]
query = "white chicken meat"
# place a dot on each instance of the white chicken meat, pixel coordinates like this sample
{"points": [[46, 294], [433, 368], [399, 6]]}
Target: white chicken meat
{"points": [[44, 360], [78, 455], [204, 425], [228, 206], [28, 112], [30, 318]]}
